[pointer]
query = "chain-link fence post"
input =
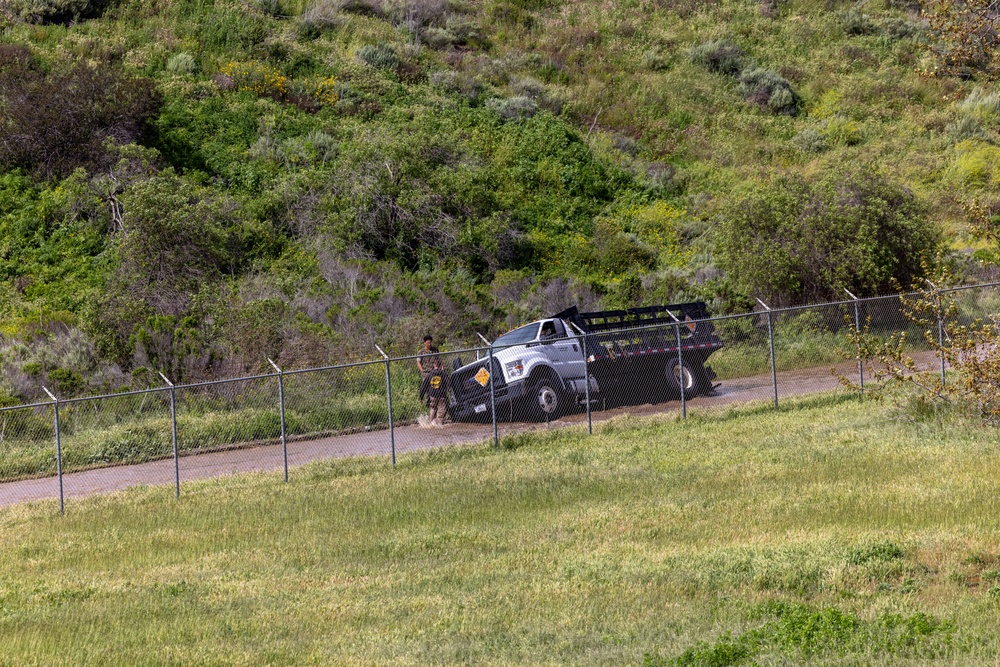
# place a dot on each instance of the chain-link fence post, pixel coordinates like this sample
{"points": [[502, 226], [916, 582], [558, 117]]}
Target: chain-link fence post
{"points": [[388, 395], [62, 502], [173, 436], [281, 413], [682, 380], [770, 338], [857, 327], [586, 384], [940, 323], [941, 345]]}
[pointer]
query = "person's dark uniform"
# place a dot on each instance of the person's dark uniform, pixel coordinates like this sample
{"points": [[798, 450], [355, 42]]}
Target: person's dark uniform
{"points": [[435, 387], [427, 355]]}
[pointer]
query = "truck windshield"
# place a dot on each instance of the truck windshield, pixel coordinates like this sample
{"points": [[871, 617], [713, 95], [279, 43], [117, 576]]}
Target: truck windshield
{"points": [[525, 334]]}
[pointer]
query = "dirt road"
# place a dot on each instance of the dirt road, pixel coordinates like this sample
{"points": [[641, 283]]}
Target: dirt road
{"points": [[407, 439]]}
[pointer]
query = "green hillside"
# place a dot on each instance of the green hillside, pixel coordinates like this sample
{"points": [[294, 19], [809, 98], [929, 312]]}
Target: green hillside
{"points": [[821, 534], [193, 186]]}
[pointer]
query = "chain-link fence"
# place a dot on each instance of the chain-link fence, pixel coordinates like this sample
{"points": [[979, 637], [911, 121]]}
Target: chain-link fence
{"points": [[573, 368]]}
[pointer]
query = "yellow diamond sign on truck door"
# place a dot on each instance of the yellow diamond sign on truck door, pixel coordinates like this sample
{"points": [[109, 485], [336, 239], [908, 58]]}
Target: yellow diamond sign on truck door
{"points": [[482, 377]]}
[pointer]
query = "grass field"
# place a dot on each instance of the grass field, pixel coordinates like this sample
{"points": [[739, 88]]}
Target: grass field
{"points": [[828, 532]]}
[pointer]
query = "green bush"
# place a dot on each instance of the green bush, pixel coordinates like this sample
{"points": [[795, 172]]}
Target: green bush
{"points": [[794, 241], [810, 140], [59, 121], [855, 23], [52, 11], [840, 131], [513, 108]]}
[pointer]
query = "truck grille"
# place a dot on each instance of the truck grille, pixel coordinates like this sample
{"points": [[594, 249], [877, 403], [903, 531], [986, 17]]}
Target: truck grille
{"points": [[466, 388]]}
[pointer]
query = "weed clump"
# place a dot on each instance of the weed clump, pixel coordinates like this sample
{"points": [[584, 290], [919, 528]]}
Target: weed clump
{"points": [[182, 63], [797, 631], [879, 552], [513, 108], [379, 56], [317, 19], [763, 87], [49, 11]]}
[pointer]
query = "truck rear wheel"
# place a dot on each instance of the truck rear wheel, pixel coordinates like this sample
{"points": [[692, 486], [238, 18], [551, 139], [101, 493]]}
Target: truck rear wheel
{"points": [[545, 401], [685, 375]]}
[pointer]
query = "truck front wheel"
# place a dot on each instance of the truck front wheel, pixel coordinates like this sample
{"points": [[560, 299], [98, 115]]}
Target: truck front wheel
{"points": [[545, 401]]}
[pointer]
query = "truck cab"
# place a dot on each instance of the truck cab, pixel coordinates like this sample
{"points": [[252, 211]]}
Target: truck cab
{"points": [[538, 370]]}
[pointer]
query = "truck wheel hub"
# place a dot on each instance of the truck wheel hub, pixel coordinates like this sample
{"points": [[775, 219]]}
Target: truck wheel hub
{"points": [[547, 399]]}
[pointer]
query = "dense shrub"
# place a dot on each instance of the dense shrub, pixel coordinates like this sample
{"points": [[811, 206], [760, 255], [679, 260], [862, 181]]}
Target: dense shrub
{"points": [[963, 38], [810, 140], [57, 122], [976, 117], [318, 18], [793, 241], [257, 77], [769, 91], [855, 23], [457, 83], [233, 30], [721, 56], [51, 11]]}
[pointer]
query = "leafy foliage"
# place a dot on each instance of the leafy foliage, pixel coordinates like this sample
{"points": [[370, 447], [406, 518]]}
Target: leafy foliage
{"points": [[50, 11], [769, 91], [967, 345], [371, 169], [792, 241]]}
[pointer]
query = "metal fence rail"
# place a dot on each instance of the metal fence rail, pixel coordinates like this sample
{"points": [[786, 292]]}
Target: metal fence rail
{"points": [[373, 412]]}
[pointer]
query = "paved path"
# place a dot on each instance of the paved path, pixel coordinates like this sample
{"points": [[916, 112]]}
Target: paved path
{"points": [[377, 443]]}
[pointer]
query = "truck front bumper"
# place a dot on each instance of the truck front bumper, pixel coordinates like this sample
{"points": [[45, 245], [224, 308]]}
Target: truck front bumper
{"points": [[478, 409]]}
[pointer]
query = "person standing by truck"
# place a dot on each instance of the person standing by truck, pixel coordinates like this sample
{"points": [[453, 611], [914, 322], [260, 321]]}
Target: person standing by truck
{"points": [[426, 356], [435, 388]]}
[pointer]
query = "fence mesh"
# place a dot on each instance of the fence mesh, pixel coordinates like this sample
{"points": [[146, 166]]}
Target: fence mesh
{"points": [[423, 402], [337, 413], [27, 443], [743, 365], [112, 431], [227, 427], [536, 379]]}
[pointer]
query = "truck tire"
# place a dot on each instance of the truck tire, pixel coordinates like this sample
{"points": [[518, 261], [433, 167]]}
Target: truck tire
{"points": [[687, 374], [545, 401]]}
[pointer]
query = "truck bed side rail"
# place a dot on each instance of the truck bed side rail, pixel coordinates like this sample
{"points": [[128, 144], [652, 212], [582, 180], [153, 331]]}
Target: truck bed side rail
{"points": [[645, 330]]}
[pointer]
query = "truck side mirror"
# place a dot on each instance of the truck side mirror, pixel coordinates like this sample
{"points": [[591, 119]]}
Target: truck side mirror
{"points": [[456, 363]]}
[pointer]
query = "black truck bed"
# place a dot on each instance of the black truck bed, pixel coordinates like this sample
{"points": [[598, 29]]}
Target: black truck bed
{"points": [[647, 330]]}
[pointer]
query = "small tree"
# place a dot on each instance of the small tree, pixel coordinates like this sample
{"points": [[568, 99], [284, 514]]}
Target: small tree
{"points": [[965, 37], [967, 347]]}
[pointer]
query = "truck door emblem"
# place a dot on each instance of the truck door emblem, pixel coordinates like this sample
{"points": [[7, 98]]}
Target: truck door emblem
{"points": [[482, 377]]}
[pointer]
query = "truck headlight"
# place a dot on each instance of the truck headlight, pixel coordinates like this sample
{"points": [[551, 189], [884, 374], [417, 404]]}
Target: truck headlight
{"points": [[515, 369]]}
